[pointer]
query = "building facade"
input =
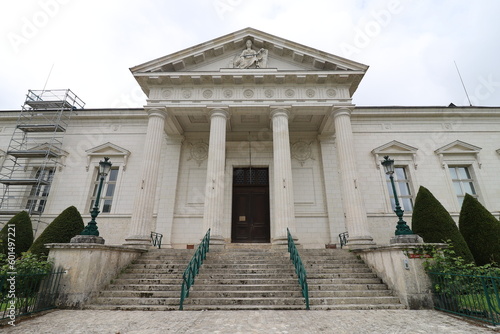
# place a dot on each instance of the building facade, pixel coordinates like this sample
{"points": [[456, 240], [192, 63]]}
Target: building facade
{"points": [[250, 134]]}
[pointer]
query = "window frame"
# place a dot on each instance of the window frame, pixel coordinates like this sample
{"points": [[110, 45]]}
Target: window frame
{"points": [[409, 186], [37, 193], [472, 180], [95, 184]]}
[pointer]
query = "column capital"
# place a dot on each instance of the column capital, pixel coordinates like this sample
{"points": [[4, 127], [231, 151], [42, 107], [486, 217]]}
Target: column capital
{"points": [[156, 112], [224, 112], [341, 110], [281, 111]]}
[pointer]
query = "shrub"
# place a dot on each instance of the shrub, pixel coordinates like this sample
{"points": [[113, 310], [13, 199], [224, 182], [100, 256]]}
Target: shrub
{"points": [[434, 224], [481, 231], [68, 224], [23, 235]]}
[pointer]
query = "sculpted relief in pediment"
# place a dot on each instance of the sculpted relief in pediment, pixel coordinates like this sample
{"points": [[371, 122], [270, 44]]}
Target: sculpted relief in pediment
{"points": [[249, 58]]}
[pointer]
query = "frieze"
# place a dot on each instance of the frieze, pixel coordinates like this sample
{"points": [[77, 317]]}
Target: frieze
{"points": [[237, 93]]}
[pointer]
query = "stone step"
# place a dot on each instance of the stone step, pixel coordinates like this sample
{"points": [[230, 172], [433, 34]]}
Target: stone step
{"points": [[347, 280], [345, 286], [349, 293], [174, 301], [291, 286], [151, 275], [147, 281], [353, 300], [244, 301], [172, 271], [254, 281], [132, 307], [195, 294], [243, 307], [143, 287], [250, 276], [141, 294]]}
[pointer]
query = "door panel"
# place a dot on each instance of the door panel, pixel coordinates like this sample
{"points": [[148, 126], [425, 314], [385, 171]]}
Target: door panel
{"points": [[250, 218]]}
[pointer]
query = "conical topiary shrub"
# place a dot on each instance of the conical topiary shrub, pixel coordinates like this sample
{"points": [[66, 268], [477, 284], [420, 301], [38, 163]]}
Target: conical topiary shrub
{"points": [[434, 224], [68, 224], [23, 233], [481, 231]]}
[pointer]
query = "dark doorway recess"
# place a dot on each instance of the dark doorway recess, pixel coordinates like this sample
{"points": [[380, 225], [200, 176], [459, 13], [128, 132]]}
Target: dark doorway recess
{"points": [[250, 214]]}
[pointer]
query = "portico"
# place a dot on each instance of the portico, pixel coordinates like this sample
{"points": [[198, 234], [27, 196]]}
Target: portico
{"points": [[238, 117]]}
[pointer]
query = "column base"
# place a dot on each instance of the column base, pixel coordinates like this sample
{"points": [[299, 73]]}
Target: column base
{"points": [[87, 239], [141, 241], [279, 242], [217, 242], [359, 242]]}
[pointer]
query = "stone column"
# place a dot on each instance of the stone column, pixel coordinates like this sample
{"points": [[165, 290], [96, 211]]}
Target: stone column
{"points": [[214, 189], [142, 213], [284, 210], [168, 192], [352, 200]]}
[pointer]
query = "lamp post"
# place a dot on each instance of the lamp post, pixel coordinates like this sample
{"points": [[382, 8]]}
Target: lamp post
{"points": [[91, 228], [401, 228]]}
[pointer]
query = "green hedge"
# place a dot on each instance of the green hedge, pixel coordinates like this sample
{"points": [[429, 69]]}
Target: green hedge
{"points": [[434, 224], [481, 231], [23, 236], [68, 224]]}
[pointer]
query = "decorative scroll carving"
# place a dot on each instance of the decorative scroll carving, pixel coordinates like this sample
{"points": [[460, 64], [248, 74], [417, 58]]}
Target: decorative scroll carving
{"points": [[249, 58]]}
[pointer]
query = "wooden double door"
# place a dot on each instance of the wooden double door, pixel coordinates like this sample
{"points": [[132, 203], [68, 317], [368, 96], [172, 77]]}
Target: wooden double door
{"points": [[250, 211]]}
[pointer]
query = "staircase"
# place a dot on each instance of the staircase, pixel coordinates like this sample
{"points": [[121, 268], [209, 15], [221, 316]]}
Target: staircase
{"points": [[338, 280], [150, 283], [253, 278], [246, 279]]}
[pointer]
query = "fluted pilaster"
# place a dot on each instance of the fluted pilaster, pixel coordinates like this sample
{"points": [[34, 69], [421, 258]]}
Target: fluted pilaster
{"points": [[352, 200], [142, 214], [214, 190], [284, 211]]}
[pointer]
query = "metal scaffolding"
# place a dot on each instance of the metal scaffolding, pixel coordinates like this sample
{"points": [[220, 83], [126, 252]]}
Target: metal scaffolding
{"points": [[35, 152]]}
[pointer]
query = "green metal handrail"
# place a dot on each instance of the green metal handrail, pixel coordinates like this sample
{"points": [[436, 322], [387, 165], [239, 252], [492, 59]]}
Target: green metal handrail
{"points": [[193, 268], [300, 270]]}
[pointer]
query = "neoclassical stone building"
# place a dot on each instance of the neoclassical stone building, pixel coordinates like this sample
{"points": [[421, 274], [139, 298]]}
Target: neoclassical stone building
{"points": [[250, 134]]}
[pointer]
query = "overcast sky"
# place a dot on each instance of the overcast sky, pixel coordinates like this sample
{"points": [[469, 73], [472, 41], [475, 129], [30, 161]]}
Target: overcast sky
{"points": [[411, 46]]}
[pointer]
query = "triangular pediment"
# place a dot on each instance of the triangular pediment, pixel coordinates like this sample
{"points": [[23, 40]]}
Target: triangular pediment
{"points": [[220, 53], [395, 148], [458, 147], [108, 150], [280, 61]]}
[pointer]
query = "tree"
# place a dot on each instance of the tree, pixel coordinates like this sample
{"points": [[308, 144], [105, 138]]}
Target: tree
{"points": [[20, 226], [68, 224], [434, 224], [481, 231]]}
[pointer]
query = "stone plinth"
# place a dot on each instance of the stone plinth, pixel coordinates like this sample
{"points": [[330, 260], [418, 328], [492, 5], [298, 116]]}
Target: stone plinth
{"points": [[87, 239], [89, 268], [402, 274]]}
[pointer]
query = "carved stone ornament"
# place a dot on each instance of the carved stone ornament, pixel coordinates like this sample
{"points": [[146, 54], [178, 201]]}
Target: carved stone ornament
{"points": [[249, 58], [198, 152], [301, 151]]}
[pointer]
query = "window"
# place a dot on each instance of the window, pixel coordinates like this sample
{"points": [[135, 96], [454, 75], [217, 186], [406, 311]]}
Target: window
{"points": [[462, 182], [403, 189], [107, 192], [39, 192]]}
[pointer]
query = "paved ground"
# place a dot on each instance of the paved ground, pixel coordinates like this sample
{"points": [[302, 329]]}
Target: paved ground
{"points": [[233, 322]]}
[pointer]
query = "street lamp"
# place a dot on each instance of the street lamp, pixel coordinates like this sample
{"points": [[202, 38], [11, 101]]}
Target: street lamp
{"points": [[401, 228], [91, 228]]}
